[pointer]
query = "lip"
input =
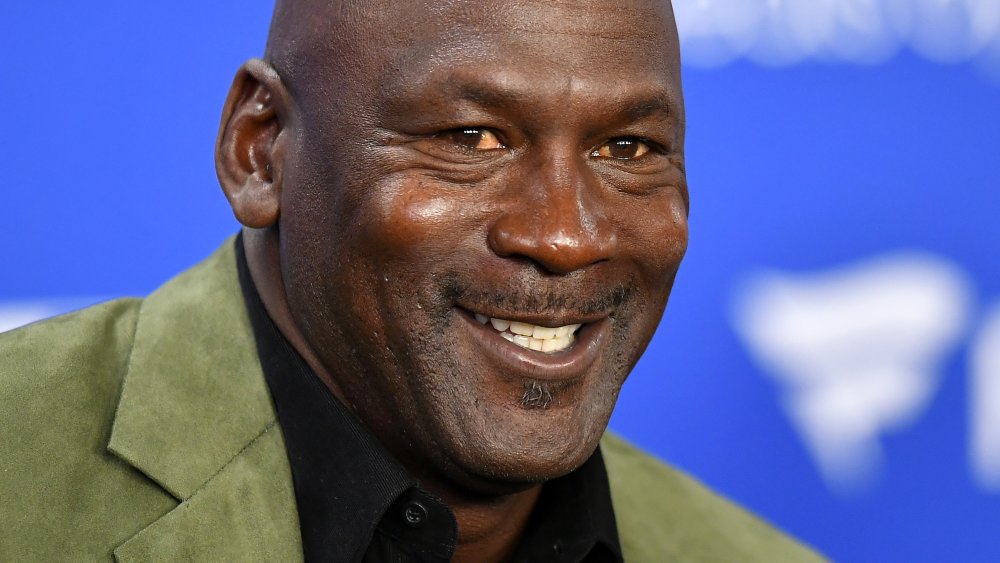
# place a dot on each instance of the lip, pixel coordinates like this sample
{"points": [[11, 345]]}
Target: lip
{"points": [[564, 366]]}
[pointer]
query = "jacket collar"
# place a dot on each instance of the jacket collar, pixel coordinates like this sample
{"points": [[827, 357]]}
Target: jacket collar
{"points": [[195, 416]]}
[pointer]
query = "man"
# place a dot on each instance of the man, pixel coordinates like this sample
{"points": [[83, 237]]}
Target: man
{"points": [[461, 221]]}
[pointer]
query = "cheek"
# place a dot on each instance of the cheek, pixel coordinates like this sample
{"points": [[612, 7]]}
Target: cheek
{"points": [[417, 227], [656, 233], [410, 222], [416, 240]]}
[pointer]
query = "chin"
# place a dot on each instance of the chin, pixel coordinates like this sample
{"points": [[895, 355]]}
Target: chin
{"points": [[493, 471], [509, 447]]}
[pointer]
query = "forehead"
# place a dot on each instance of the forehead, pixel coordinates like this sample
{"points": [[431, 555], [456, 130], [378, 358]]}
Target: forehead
{"points": [[579, 44], [600, 21]]}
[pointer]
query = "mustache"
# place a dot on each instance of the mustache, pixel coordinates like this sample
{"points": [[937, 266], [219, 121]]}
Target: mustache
{"points": [[543, 299]]}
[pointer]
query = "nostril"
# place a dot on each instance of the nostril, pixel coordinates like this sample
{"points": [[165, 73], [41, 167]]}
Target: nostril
{"points": [[500, 242]]}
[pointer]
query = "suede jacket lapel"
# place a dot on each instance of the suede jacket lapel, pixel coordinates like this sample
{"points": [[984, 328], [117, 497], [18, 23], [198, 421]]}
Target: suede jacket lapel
{"points": [[196, 417]]}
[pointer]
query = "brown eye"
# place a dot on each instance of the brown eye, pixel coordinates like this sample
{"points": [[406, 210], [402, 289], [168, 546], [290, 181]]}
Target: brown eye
{"points": [[475, 139], [622, 148]]}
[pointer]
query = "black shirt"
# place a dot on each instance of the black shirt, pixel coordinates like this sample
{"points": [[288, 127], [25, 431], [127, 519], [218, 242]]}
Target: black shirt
{"points": [[356, 503]]}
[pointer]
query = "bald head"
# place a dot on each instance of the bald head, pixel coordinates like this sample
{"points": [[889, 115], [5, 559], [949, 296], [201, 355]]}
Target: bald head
{"points": [[297, 26]]}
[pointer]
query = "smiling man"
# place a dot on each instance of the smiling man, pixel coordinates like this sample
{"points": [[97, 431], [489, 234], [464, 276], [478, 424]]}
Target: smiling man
{"points": [[462, 221]]}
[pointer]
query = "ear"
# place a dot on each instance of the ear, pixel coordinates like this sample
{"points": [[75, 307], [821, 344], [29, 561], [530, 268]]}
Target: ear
{"points": [[249, 152]]}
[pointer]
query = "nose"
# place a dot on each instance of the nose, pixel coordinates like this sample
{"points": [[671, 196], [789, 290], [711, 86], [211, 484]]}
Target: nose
{"points": [[557, 219]]}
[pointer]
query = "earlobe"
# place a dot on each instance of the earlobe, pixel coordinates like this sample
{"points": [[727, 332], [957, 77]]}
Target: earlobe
{"points": [[249, 150]]}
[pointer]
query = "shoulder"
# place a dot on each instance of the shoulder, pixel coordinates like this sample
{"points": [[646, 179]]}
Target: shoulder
{"points": [[663, 514], [62, 492], [59, 384], [66, 359], [73, 356]]}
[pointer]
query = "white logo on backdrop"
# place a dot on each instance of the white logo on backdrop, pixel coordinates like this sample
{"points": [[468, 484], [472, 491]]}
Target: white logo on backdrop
{"points": [[984, 390], [859, 352], [782, 32]]}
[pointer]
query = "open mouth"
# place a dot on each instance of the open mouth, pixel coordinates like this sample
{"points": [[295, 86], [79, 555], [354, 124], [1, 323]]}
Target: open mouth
{"points": [[533, 337], [524, 349]]}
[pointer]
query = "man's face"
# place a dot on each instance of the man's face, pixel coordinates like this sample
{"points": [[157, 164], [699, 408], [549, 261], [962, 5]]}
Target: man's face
{"points": [[518, 161]]}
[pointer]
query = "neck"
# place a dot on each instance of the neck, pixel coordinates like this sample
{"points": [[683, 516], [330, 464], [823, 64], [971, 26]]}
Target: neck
{"points": [[489, 527]]}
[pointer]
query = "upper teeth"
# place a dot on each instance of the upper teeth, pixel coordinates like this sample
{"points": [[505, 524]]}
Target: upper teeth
{"points": [[534, 337]]}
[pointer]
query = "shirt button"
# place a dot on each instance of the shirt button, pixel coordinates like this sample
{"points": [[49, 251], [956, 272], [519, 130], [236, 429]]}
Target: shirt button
{"points": [[415, 514]]}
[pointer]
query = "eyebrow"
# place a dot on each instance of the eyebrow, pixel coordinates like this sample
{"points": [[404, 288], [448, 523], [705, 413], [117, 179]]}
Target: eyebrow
{"points": [[485, 94], [663, 103], [657, 100]]}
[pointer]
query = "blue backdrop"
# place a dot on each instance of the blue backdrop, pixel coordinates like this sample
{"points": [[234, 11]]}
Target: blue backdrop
{"points": [[831, 356]]}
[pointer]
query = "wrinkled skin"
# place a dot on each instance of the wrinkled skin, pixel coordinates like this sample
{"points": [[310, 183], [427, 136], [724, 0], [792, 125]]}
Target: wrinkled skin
{"points": [[401, 168]]}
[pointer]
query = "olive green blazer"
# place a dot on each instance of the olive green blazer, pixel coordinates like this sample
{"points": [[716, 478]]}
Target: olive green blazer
{"points": [[143, 430]]}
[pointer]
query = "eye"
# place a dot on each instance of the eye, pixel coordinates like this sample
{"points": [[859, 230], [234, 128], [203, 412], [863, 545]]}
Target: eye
{"points": [[474, 139], [621, 148]]}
